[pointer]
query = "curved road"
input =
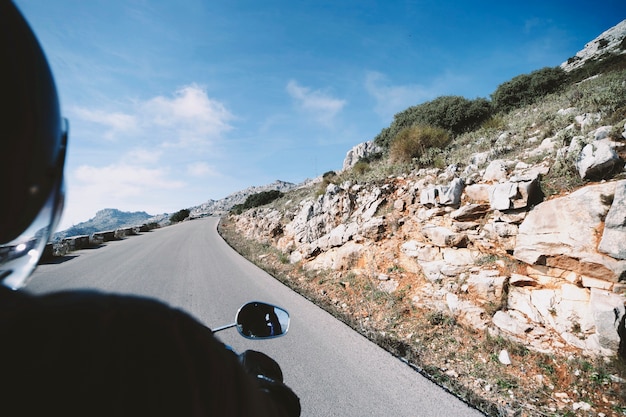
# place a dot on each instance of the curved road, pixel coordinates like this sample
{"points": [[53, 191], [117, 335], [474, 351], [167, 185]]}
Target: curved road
{"points": [[334, 370]]}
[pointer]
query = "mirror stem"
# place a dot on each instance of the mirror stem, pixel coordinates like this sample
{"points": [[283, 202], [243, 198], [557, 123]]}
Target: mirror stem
{"points": [[228, 326]]}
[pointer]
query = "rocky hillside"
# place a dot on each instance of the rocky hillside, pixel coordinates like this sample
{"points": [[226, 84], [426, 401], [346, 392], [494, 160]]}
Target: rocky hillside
{"points": [[523, 235], [221, 207], [520, 236]]}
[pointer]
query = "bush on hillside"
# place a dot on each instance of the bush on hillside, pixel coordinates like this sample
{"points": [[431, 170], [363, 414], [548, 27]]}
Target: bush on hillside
{"points": [[257, 200], [329, 177], [179, 216], [454, 113], [526, 89], [414, 141], [361, 167]]}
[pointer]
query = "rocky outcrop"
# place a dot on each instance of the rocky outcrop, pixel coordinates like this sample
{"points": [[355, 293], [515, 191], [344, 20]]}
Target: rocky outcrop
{"points": [[360, 151], [597, 159], [565, 233]]}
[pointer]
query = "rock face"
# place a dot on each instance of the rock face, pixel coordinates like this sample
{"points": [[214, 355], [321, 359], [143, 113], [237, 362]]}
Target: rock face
{"points": [[455, 233], [613, 242], [597, 159], [565, 233], [360, 151]]}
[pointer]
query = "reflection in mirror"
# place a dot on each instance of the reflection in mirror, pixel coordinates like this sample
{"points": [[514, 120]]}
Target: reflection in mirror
{"points": [[258, 320]]}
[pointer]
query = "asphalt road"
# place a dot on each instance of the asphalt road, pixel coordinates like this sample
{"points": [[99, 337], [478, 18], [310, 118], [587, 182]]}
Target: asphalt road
{"points": [[334, 370]]}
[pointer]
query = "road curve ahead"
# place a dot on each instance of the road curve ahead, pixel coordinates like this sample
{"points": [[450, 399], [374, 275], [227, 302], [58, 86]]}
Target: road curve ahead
{"points": [[334, 370]]}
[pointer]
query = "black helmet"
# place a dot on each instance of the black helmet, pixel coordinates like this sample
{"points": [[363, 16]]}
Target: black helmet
{"points": [[33, 141]]}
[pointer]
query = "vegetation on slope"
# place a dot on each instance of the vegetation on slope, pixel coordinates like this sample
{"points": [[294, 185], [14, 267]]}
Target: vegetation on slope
{"points": [[256, 200]]}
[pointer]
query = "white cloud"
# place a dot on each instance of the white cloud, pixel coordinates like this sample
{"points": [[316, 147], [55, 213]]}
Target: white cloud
{"points": [[322, 107], [122, 180], [142, 167], [190, 116], [143, 156], [121, 185], [201, 169], [115, 123]]}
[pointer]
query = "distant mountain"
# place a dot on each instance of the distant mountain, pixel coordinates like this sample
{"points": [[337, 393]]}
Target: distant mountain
{"points": [[107, 219], [221, 207], [111, 219]]}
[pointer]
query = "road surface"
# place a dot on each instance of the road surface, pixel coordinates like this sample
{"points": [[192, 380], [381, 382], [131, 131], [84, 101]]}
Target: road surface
{"points": [[334, 370]]}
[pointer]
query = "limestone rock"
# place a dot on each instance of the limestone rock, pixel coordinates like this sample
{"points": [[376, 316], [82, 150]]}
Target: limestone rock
{"points": [[501, 195], [360, 151], [443, 195], [597, 160], [295, 257], [613, 241], [470, 212], [432, 270], [562, 233], [504, 321], [496, 170], [478, 192], [340, 258], [420, 251], [458, 257], [515, 194], [504, 357], [503, 233], [451, 195], [486, 285], [520, 299], [608, 313], [443, 237], [519, 280], [436, 232]]}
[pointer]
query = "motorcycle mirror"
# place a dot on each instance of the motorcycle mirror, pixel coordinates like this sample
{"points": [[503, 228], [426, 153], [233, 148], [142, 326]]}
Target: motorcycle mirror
{"points": [[257, 320]]}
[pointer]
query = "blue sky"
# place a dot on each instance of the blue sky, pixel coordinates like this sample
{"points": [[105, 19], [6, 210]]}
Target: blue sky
{"points": [[172, 103]]}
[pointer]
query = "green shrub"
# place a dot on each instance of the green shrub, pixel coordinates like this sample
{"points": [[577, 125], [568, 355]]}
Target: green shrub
{"points": [[361, 167], [526, 89], [494, 123], [414, 141], [329, 177], [179, 216], [603, 64], [256, 200], [454, 113]]}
